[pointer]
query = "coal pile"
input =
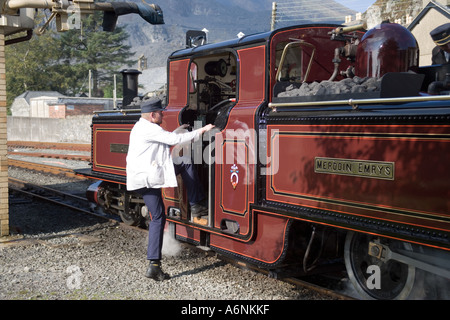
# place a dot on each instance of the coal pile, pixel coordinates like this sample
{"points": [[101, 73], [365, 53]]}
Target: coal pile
{"points": [[348, 85]]}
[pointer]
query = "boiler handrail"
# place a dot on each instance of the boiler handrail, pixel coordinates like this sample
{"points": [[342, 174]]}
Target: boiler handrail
{"points": [[355, 102]]}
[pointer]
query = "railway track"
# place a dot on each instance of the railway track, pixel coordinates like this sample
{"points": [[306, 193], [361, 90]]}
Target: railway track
{"points": [[58, 197], [52, 155], [44, 168], [49, 145], [34, 149], [311, 284]]}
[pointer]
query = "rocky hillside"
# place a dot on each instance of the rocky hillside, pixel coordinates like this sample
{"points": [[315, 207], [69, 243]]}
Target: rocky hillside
{"points": [[223, 18], [391, 10]]}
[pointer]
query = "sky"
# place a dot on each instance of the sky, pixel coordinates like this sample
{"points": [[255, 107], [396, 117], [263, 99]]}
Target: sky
{"points": [[357, 5]]}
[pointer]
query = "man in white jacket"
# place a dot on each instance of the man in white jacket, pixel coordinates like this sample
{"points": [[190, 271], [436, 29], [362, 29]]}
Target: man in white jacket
{"points": [[150, 168]]}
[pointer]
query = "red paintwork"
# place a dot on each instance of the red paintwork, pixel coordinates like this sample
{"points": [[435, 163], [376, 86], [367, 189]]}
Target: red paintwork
{"points": [[187, 233], [103, 135], [178, 83], [177, 100], [233, 203], [417, 194], [266, 245]]}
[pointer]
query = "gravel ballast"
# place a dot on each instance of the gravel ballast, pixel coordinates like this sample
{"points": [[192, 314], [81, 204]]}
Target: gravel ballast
{"points": [[55, 253]]}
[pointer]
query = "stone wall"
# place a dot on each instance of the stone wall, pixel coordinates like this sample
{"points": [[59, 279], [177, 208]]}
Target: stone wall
{"points": [[76, 129]]}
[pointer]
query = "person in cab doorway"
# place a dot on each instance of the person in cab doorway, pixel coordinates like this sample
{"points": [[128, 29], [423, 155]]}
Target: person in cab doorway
{"points": [[150, 168], [441, 37]]}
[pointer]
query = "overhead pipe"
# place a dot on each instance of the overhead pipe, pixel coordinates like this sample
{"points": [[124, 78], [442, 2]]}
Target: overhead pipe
{"points": [[151, 13], [20, 39]]}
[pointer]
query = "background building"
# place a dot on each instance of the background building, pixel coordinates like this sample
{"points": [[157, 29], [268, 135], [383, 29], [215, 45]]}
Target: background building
{"points": [[434, 14]]}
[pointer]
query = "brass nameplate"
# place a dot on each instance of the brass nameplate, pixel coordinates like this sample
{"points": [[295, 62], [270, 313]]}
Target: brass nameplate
{"points": [[358, 168], [118, 148]]}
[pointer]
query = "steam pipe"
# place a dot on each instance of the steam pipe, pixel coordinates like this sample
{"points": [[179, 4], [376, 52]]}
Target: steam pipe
{"points": [[362, 26], [130, 86], [437, 86], [151, 13], [337, 62], [11, 6], [20, 39]]}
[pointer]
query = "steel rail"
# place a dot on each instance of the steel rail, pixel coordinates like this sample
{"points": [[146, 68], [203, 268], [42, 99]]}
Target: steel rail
{"points": [[50, 145], [76, 157], [54, 196], [44, 168], [290, 279]]}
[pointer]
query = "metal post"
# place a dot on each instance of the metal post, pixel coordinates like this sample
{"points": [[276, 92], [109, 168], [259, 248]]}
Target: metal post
{"points": [[274, 16], [4, 204], [115, 93], [90, 83]]}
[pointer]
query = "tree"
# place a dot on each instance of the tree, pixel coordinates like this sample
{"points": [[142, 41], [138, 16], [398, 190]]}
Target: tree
{"points": [[32, 65], [96, 50], [61, 62]]}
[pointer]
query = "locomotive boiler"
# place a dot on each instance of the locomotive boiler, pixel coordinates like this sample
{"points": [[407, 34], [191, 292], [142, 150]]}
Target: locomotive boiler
{"points": [[328, 150]]}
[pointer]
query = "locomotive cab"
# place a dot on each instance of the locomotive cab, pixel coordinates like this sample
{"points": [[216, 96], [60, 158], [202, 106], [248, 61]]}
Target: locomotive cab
{"points": [[212, 90]]}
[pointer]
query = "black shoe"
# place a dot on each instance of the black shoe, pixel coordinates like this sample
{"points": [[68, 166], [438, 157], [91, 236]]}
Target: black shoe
{"points": [[197, 210], [154, 272]]}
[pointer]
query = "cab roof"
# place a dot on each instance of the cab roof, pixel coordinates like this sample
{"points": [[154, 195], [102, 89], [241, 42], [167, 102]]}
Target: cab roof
{"points": [[238, 42], [246, 40]]}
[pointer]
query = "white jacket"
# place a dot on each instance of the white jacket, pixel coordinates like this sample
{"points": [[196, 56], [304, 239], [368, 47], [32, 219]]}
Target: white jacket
{"points": [[149, 160]]}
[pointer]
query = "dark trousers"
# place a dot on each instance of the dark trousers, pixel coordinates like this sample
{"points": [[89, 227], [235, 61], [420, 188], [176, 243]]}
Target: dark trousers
{"points": [[154, 202]]}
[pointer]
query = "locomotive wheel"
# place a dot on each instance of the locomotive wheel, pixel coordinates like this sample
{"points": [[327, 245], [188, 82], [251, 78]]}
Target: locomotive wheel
{"points": [[395, 280], [129, 219]]}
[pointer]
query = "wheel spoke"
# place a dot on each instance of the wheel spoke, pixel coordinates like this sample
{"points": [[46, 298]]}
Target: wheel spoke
{"points": [[372, 277]]}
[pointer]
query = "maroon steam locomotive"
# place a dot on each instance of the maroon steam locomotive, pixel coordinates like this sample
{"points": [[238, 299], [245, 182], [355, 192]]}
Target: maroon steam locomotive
{"points": [[331, 146]]}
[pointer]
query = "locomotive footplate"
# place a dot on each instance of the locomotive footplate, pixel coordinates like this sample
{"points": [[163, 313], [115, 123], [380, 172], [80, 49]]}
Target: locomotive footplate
{"points": [[101, 175], [348, 222]]}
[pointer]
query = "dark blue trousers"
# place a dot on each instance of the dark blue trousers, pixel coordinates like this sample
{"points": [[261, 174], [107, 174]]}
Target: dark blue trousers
{"points": [[154, 202]]}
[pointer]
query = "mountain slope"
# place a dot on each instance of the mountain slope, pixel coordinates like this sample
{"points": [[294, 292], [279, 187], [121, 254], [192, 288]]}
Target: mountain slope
{"points": [[223, 18]]}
